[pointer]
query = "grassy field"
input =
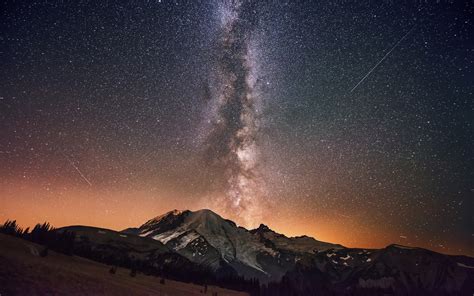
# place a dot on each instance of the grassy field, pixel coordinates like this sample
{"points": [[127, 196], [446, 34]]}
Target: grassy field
{"points": [[24, 272]]}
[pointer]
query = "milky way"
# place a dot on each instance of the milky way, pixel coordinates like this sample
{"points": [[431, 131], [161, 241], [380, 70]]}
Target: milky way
{"points": [[236, 97]]}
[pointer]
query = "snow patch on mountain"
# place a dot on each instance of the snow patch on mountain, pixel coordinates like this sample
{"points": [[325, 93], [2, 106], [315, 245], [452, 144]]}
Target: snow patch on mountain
{"points": [[167, 236], [185, 240], [346, 257], [464, 265]]}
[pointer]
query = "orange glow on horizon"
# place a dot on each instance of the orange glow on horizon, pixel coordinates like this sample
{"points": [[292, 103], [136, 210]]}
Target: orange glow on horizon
{"points": [[31, 203]]}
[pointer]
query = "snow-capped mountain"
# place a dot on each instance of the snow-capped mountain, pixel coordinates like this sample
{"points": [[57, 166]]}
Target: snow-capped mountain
{"points": [[206, 238]]}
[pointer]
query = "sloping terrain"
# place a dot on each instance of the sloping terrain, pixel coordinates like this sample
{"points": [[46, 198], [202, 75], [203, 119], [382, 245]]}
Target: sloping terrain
{"points": [[113, 243], [24, 272], [127, 250]]}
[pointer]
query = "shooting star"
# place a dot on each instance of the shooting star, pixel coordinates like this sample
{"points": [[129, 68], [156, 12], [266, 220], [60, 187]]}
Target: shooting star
{"points": [[342, 215], [77, 169], [381, 60]]}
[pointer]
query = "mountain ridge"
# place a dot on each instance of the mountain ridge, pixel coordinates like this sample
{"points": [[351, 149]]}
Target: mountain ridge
{"points": [[176, 212], [212, 243]]}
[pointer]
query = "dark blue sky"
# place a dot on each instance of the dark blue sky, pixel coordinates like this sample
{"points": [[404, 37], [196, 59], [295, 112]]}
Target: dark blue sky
{"points": [[189, 100]]}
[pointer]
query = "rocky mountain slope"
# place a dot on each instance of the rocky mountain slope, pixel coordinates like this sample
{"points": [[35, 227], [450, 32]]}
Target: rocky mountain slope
{"points": [[394, 270], [304, 264], [206, 238]]}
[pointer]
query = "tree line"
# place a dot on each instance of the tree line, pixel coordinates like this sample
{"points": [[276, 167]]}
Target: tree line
{"points": [[43, 234]]}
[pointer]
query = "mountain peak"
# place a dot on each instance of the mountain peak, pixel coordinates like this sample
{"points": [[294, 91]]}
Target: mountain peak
{"points": [[174, 212], [206, 212], [164, 222], [264, 227]]}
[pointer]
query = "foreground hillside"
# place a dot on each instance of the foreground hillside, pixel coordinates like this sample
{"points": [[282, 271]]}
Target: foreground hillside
{"points": [[24, 272]]}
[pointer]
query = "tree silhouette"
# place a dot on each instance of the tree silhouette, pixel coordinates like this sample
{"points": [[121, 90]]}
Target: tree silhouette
{"points": [[11, 228]]}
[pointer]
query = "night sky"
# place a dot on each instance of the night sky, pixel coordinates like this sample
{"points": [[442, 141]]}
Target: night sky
{"points": [[349, 122]]}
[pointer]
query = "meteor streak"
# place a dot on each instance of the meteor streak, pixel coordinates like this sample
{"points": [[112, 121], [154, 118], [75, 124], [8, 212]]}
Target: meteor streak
{"points": [[77, 169], [381, 60]]}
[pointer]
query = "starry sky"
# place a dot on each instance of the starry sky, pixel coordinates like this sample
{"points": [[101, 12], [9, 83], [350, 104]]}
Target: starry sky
{"points": [[349, 121]]}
